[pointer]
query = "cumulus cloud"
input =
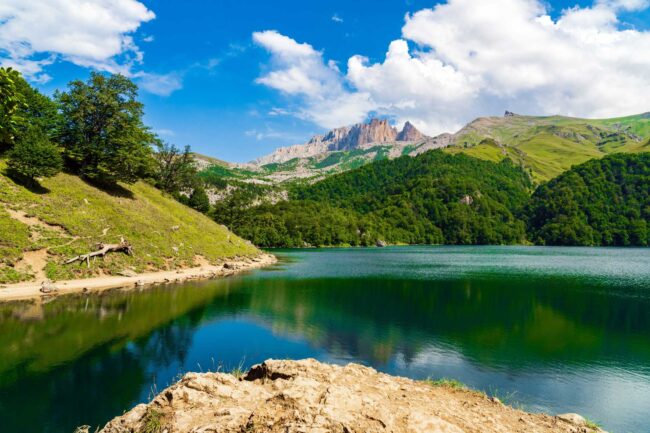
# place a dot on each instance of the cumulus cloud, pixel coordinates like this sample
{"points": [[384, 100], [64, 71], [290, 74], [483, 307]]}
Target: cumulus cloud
{"points": [[298, 70], [466, 58], [88, 33]]}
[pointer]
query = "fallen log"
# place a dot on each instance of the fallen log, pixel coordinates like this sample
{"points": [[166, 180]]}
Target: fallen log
{"points": [[101, 250]]}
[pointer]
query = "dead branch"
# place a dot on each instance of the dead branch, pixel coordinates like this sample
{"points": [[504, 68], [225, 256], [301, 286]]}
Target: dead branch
{"points": [[103, 249]]}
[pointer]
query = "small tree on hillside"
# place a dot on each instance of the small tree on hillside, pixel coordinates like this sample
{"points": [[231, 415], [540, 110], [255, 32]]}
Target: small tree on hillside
{"points": [[103, 135], [175, 170], [199, 199], [35, 156]]}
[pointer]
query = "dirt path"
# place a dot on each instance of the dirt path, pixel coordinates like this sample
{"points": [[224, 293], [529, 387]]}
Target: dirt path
{"points": [[308, 396], [32, 290], [34, 262]]}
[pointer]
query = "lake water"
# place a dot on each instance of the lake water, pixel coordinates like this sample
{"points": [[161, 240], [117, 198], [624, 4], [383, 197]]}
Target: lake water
{"points": [[551, 329]]}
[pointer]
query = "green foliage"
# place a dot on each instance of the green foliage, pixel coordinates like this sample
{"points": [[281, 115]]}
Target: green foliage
{"points": [[601, 202], [39, 111], [34, 155], [430, 199], [103, 134], [199, 199], [11, 102], [175, 170]]}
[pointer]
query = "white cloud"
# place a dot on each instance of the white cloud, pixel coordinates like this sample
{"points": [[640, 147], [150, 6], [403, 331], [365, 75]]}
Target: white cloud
{"points": [[466, 58], [300, 71], [160, 84], [337, 19], [88, 33]]}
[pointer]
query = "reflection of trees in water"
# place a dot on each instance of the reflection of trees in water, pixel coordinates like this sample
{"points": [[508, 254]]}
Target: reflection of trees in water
{"points": [[495, 322], [167, 345], [110, 376], [91, 390]]}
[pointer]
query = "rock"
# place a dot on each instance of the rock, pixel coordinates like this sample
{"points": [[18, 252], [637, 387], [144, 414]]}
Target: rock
{"points": [[128, 273], [308, 396], [573, 418], [495, 400], [381, 244], [175, 228], [468, 200], [228, 266], [345, 138], [410, 133], [139, 283], [48, 286]]}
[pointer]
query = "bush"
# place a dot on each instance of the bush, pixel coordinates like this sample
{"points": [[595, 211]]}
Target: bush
{"points": [[35, 156]]}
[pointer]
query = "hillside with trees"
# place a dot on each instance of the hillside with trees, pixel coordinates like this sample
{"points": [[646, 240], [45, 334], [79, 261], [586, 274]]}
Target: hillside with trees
{"points": [[80, 170], [601, 202], [430, 199]]}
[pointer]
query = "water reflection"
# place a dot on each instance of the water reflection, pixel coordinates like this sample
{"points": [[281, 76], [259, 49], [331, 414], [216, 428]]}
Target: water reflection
{"points": [[561, 341]]}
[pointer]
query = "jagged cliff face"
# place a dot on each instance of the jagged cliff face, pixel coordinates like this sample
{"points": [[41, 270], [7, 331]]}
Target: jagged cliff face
{"points": [[346, 138], [410, 133]]}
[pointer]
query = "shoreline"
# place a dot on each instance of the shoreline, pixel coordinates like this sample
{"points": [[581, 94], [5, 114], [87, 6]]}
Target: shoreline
{"points": [[31, 291]]}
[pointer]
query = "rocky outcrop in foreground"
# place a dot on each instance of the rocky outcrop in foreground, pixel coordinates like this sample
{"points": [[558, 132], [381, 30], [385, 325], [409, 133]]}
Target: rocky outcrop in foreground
{"points": [[307, 396]]}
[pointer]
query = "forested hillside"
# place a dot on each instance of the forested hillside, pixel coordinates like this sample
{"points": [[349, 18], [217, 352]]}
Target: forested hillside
{"points": [[80, 172], [437, 198], [432, 198], [601, 202]]}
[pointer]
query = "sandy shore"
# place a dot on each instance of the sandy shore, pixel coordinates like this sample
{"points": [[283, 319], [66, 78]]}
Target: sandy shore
{"points": [[32, 290]]}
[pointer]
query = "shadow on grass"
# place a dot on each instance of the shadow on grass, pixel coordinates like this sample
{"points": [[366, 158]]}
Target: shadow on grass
{"points": [[29, 183], [114, 189]]}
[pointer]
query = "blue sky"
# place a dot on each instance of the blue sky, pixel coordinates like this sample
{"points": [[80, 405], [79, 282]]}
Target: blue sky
{"points": [[208, 82]]}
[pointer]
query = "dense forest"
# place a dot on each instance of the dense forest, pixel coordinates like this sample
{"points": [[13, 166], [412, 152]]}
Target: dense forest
{"points": [[429, 199], [437, 198], [600, 202]]}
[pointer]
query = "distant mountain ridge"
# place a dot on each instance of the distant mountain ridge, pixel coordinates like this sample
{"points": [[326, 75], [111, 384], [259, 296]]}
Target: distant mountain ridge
{"points": [[376, 131], [545, 145]]}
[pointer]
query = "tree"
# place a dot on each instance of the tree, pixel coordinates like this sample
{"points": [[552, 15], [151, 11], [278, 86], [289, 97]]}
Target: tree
{"points": [[175, 170], [37, 110], [34, 155], [103, 135], [11, 101], [199, 199]]}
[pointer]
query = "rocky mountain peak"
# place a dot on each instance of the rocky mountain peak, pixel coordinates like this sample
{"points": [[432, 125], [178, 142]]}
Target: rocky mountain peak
{"points": [[410, 133], [346, 138]]}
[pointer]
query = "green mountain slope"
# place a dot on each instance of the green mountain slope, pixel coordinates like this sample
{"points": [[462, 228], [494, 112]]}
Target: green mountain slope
{"points": [[549, 146], [601, 202], [67, 217], [431, 198]]}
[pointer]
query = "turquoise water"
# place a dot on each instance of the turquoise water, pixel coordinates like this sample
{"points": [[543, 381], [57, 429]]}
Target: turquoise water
{"points": [[550, 329]]}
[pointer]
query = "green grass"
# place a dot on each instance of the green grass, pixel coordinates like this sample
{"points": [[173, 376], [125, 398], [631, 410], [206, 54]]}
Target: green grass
{"points": [[548, 146], [164, 233], [592, 424], [446, 383], [153, 421], [239, 371]]}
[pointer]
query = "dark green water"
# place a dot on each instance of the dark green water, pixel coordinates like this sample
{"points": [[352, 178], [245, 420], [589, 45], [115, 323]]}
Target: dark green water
{"points": [[552, 329]]}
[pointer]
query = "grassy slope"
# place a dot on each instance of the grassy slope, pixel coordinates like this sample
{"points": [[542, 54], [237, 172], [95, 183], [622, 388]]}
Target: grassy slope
{"points": [[551, 145], [143, 216]]}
